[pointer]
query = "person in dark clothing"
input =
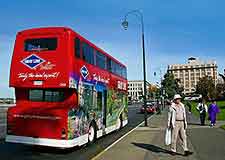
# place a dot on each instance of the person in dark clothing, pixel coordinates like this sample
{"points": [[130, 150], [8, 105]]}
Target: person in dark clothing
{"points": [[202, 108]]}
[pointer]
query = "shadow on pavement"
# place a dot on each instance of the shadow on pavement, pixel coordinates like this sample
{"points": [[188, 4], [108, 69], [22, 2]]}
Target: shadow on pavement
{"points": [[52, 150], [153, 148], [197, 124], [21, 149], [194, 124]]}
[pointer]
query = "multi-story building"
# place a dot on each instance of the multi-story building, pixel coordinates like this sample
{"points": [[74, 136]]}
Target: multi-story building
{"points": [[136, 89], [190, 73]]}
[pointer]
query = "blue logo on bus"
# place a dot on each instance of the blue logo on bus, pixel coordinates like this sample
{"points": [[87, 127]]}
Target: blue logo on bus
{"points": [[84, 72], [32, 61]]}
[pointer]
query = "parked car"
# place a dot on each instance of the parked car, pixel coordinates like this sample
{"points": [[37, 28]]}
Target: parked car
{"points": [[150, 107], [193, 97]]}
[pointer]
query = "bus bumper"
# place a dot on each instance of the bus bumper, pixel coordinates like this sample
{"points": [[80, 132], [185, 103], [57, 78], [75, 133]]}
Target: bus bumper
{"points": [[79, 141]]}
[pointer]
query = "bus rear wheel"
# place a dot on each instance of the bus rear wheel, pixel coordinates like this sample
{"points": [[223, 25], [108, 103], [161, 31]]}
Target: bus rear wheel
{"points": [[119, 123], [91, 133]]}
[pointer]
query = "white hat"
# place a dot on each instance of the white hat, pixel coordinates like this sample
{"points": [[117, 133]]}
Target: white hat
{"points": [[177, 96]]}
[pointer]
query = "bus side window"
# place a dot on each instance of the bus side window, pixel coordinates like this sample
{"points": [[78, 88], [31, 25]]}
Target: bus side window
{"points": [[124, 72], [114, 67], [77, 47], [88, 53], [100, 60], [109, 64]]}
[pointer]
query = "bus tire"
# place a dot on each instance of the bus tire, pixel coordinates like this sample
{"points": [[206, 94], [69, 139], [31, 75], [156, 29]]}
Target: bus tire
{"points": [[92, 133], [119, 123]]}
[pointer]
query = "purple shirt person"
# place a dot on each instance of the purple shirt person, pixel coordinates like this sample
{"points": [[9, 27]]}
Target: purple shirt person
{"points": [[213, 110]]}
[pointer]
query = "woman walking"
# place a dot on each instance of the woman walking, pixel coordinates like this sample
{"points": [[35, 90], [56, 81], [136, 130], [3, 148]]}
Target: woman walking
{"points": [[202, 108], [213, 110]]}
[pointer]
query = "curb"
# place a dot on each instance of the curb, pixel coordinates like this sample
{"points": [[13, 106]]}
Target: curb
{"points": [[118, 140]]}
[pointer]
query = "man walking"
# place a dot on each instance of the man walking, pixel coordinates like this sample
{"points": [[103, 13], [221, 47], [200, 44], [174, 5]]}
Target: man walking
{"points": [[202, 108], [178, 122]]}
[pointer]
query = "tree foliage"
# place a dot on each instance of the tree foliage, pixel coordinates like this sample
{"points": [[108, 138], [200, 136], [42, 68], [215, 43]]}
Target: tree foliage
{"points": [[171, 85], [220, 90], [206, 87], [153, 91]]}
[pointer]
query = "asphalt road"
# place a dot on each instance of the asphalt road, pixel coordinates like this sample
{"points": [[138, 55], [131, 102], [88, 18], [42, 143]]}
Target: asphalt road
{"points": [[10, 151]]}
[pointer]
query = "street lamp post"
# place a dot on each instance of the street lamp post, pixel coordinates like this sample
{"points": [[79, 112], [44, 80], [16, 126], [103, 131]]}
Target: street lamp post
{"points": [[125, 25]]}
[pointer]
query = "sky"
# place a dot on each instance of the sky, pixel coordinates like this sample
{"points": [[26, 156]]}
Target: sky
{"points": [[174, 30]]}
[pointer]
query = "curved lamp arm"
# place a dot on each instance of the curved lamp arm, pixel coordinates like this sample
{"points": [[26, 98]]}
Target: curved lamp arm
{"points": [[138, 14]]}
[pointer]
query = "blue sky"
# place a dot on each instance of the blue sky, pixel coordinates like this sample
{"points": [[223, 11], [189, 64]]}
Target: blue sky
{"points": [[174, 30]]}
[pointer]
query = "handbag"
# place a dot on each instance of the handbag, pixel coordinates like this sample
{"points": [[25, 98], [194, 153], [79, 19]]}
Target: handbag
{"points": [[168, 136]]}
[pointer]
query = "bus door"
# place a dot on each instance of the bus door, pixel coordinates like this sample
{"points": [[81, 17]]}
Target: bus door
{"points": [[104, 107], [101, 105]]}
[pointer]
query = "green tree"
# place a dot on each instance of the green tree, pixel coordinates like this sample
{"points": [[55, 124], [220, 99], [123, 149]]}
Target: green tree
{"points": [[220, 88], [206, 87], [171, 85]]}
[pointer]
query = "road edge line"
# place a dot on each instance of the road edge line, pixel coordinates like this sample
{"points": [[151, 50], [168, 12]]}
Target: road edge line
{"points": [[118, 140]]}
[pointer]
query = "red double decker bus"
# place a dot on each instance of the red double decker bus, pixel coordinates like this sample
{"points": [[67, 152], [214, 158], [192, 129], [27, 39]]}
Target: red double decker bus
{"points": [[68, 91]]}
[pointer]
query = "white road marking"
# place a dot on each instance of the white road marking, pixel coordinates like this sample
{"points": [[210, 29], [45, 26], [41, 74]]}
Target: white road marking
{"points": [[118, 140]]}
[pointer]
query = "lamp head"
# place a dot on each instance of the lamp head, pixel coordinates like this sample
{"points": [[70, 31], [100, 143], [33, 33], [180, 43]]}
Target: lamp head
{"points": [[125, 24]]}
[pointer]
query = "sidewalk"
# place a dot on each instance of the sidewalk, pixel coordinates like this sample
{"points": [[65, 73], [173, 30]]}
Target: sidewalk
{"points": [[147, 143]]}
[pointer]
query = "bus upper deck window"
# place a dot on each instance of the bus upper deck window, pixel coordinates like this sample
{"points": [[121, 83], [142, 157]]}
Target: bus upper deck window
{"points": [[40, 44]]}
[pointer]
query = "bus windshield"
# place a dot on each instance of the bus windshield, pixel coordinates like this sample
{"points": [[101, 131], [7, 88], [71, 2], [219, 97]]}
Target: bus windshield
{"points": [[46, 95], [40, 44]]}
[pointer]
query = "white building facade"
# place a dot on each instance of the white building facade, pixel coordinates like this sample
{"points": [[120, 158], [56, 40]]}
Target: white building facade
{"points": [[190, 73], [136, 89]]}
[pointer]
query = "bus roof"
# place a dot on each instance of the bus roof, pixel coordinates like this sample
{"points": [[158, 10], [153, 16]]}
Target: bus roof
{"points": [[39, 31]]}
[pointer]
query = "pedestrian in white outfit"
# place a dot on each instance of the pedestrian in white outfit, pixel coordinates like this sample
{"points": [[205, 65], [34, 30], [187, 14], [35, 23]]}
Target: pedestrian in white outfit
{"points": [[178, 122]]}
